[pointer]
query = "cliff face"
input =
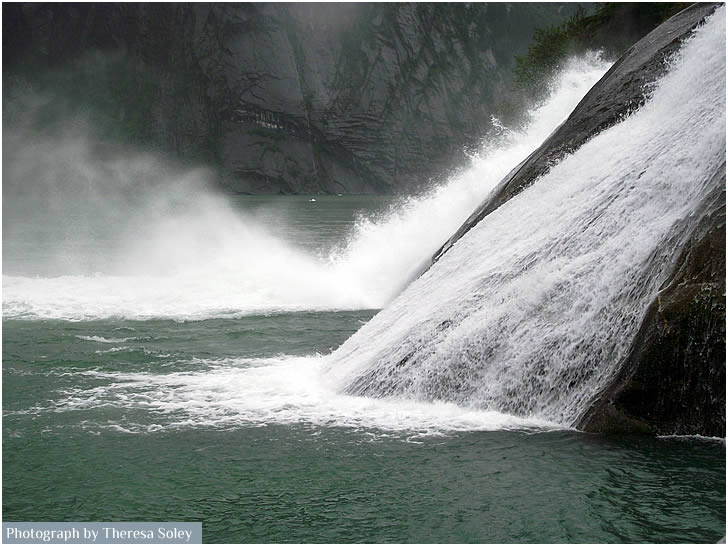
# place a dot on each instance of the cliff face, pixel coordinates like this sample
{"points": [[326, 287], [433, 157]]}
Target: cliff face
{"points": [[673, 380], [286, 97]]}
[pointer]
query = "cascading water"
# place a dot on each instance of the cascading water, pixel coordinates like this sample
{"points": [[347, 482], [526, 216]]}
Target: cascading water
{"points": [[527, 314], [171, 352], [173, 249], [201, 259], [533, 309]]}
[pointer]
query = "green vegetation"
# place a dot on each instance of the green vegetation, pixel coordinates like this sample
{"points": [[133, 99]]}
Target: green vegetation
{"points": [[612, 28]]}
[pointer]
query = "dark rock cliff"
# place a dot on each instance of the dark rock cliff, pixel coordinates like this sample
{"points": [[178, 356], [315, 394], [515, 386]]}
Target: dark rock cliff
{"points": [[291, 98], [673, 380]]}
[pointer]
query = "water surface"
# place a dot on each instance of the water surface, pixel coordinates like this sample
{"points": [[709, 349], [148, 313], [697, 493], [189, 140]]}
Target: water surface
{"points": [[116, 419]]}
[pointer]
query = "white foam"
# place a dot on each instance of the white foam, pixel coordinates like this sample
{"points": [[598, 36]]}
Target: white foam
{"points": [[689, 437], [286, 390], [188, 254], [112, 350], [100, 339]]}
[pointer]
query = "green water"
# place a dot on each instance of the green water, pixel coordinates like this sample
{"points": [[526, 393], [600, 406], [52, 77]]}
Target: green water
{"points": [[94, 429]]}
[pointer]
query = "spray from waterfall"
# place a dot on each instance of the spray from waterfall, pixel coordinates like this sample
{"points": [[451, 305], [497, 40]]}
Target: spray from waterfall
{"points": [[120, 234], [513, 327]]}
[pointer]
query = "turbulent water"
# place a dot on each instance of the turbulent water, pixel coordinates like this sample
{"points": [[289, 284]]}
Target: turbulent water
{"points": [[533, 309], [170, 353], [172, 248], [516, 326], [142, 246]]}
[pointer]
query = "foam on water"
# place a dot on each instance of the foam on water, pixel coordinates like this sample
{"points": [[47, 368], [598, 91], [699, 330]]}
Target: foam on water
{"points": [[532, 310], [180, 251], [100, 339], [258, 392], [692, 437]]}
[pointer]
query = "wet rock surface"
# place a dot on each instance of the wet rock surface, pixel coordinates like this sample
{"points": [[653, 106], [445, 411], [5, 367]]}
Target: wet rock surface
{"points": [[623, 89], [673, 381]]}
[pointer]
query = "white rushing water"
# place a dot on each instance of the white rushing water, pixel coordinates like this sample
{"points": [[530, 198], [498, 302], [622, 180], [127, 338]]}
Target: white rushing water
{"points": [[177, 250], [532, 310], [514, 327]]}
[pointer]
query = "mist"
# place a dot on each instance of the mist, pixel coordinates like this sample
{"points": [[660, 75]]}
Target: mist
{"points": [[115, 230]]}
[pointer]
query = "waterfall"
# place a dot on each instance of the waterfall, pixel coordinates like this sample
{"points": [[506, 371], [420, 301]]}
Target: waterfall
{"points": [[517, 325], [531, 312], [131, 237]]}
